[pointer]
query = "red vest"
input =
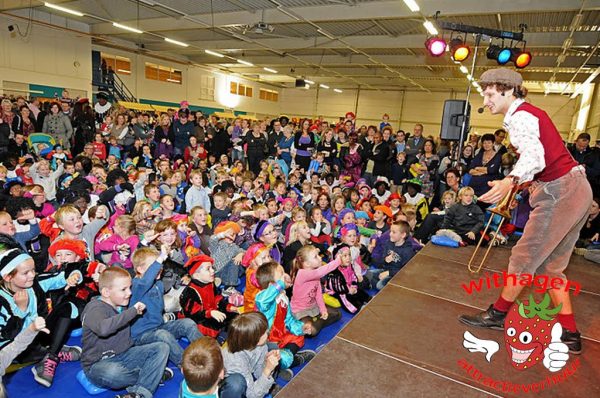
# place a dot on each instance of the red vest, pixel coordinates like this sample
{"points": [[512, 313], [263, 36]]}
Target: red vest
{"points": [[558, 159]]}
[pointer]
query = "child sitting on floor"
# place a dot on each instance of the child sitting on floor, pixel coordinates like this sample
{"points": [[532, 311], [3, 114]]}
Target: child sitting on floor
{"points": [[249, 365], [284, 330], [463, 221], [342, 283], [255, 256], [122, 243], [397, 250], [307, 298], [227, 255], [23, 299], [201, 301], [109, 358], [148, 289], [203, 370]]}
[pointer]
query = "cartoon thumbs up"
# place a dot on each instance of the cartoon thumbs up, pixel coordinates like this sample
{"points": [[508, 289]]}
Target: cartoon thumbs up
{"points": [[556, 354]]}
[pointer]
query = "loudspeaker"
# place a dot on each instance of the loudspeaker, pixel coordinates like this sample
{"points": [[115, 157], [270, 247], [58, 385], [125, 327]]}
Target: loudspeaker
{"points": [[300, 83], [452, 119]]}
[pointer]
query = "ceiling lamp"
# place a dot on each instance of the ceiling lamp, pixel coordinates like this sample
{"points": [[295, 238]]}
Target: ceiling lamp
{"points": [[520, 58], [500, 54], [436, 46], [459, 49]]}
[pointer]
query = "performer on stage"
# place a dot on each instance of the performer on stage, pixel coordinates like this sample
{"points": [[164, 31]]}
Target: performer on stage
{"points": [[560, 197]]}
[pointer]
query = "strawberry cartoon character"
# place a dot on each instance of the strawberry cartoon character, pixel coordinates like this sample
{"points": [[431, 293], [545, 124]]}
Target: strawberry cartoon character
{"points": [[528, 330]]}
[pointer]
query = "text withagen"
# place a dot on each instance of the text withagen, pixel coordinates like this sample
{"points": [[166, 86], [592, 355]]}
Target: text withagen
{"points": [[507, 386], [541, 283]]}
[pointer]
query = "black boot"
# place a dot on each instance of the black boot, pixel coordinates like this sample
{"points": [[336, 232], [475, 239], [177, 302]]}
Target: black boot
{"points": [[491, 318], [572, 340]]}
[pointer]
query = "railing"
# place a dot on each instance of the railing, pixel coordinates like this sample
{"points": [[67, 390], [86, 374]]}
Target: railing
{"points": [[122, 90], [117, 88]]}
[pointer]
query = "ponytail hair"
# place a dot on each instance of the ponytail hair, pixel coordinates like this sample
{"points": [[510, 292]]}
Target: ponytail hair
{"points": [[301, 257]]}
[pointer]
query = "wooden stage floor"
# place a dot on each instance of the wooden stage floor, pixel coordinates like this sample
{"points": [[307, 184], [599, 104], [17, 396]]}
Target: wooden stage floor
{"points": [[408, 341]]}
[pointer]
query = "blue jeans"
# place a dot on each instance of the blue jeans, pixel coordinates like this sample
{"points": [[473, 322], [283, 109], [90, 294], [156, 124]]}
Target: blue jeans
{"points": [[138, 370], [230, 274], [234, 386], [373, 276], [168, 333]]}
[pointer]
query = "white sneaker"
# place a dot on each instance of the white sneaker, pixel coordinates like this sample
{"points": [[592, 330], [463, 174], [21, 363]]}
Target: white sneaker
{"points": [[229, 291], [169, 316]]}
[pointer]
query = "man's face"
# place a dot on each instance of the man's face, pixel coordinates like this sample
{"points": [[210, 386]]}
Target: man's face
{"points": [[500, 137], [582, 143], [277, 127], [65, 107], [418, 130], [495, 101]]}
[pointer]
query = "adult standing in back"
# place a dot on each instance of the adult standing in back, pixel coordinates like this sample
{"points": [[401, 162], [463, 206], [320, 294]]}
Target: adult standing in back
{"points": [[414, 144], [58, 125], [183, 129]]}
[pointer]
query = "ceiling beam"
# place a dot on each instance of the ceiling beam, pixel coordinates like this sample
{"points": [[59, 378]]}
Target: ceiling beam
{"points": [[361, 11], [391, 60], [543, 39]]}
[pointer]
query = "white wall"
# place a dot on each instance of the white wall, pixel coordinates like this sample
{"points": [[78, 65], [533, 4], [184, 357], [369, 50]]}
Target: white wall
{"points": [[193, 79], [47, 56], [409, 107]]}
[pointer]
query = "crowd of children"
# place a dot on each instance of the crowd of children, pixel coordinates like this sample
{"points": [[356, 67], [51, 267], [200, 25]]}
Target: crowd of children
{"points": [[145, 243]]}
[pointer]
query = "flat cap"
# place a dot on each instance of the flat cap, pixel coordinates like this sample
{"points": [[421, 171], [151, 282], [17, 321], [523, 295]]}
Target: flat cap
{"points": [[503, 76]]}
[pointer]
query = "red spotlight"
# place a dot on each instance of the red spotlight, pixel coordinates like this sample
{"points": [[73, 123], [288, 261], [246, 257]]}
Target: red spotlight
{"points": [[436, 46]]}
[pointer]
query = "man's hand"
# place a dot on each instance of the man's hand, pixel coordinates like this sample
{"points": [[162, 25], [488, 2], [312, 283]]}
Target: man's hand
{"points": [[384, 275], [471, 235], [499, 190]]}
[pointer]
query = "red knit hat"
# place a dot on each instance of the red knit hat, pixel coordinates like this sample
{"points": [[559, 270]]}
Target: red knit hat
{"points": [[76, 246], [195, 262], [393, 196]]}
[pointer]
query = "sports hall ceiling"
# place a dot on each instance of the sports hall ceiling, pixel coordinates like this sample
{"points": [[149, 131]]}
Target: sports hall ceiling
{"points": [[374, 44]]}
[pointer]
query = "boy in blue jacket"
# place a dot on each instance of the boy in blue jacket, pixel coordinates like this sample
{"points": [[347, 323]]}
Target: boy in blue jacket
{"points": [[397, 251], [148, 289]]}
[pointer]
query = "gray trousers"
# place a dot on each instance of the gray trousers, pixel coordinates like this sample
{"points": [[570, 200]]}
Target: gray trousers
{"points": [[559, 211]]}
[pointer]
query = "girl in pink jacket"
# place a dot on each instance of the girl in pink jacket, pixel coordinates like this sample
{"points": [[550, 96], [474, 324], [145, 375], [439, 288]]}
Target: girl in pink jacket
{"points": [[122, 243], [307, 298]]}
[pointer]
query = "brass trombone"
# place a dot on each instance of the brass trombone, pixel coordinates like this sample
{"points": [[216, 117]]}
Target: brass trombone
{"points": [[502, 209]]}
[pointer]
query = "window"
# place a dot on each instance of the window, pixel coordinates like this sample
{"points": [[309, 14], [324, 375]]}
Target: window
{"points": [[120, 65], [207, 88], [269, 95], [240, 89], [163, 73]]}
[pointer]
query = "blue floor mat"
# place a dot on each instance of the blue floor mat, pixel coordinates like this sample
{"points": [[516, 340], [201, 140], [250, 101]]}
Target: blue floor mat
{"points": [[22, 384]]}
